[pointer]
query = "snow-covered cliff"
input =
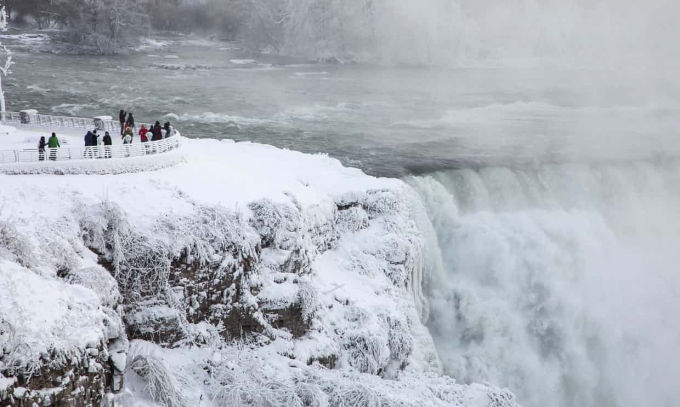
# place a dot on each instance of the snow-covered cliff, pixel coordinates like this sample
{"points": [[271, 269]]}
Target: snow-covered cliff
{"points": [[247, 275]]}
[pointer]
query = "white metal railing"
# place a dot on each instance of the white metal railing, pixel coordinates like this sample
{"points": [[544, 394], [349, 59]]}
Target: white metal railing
{"points": [[45, 120], [12, 117], [79, 153], [90, 153]]}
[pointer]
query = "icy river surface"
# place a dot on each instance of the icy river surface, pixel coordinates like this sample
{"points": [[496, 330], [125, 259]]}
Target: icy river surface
{"points": [[386, 120]]}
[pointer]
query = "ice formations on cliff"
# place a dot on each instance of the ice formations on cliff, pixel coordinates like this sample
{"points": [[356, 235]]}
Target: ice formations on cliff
{"points": [[269, 277]]}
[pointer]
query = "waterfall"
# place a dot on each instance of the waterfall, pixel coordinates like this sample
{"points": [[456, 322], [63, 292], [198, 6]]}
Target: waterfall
{"points": [[559, 282]]}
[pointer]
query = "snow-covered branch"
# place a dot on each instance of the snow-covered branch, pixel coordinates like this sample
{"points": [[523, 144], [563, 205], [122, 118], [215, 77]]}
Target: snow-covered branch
{"points": [[5, 67]]}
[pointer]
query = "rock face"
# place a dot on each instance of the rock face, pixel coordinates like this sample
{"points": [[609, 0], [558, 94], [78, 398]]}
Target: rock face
{"points": [[61, 381]]}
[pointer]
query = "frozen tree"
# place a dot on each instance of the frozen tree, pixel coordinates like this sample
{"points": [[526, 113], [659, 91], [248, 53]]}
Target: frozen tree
{"points": [[5, 66], [101, 26]]}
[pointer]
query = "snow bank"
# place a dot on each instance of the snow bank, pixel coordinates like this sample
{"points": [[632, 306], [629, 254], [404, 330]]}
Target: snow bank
{"points": [[46, 315], [241, 377]]}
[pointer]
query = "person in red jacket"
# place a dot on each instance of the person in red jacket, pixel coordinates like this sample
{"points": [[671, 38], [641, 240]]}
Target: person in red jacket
{"points": [[142, 134]]}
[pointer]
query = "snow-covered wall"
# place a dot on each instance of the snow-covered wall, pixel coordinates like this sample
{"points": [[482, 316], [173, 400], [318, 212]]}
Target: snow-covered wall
{"points": [[245, 275]]}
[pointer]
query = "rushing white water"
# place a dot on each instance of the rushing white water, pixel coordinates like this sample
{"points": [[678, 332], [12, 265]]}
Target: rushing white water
{"points": [[560, 282]]}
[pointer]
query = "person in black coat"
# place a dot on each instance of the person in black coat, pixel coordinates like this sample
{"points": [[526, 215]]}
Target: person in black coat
{"points": [[121, 119], [90, 143], [41, 148], [107, 144], [157, 133], [130, 122]]}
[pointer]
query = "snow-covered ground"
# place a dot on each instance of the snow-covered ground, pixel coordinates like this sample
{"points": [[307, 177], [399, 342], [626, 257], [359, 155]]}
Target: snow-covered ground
{"points": [[340, 245]]}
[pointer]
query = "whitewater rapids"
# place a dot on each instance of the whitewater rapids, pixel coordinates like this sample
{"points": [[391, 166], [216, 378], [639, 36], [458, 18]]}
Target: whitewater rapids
{"points": [[559, 282]]}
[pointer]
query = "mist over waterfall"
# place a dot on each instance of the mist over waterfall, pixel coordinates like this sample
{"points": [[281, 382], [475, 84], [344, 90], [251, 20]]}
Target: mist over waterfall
{"points": [[464, 32], [559, 282]]}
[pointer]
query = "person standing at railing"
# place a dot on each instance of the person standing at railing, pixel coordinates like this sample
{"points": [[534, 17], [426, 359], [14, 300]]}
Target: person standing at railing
{"points": [[127, 136], [169, 130], [53, 144], [127, 140], [157, 132], [144, 138], [41, 149], [130, 122], [121, 119], [107, 144], [88, 142], [142, 134]]}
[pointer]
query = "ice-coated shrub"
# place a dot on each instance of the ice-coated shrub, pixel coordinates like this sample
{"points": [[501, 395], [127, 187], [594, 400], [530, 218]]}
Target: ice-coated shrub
{"points": [[139, 264], [382, 202], [284, 227], [279, 225], [100, 226], [307, 298], [311, 395], [163, 386], [143, 267], [357, 316], [14, 246], [6, 336], [354, 394], [207, 235], [244, 381], [366, 351], [403, 255], [350, 220], [400, 340]]}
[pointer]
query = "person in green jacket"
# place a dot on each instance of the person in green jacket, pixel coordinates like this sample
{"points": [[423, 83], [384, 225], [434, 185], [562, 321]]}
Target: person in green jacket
{"points": [[53, 144]]}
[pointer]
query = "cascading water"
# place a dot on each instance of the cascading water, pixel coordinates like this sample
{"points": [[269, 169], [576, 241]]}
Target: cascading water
{"points": [[560, 282]]}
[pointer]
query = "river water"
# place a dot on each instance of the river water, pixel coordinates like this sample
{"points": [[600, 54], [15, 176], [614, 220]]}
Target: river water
{"points": [[386, 120], [550, 194]]}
